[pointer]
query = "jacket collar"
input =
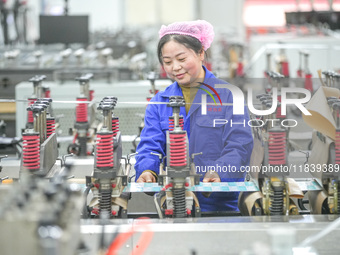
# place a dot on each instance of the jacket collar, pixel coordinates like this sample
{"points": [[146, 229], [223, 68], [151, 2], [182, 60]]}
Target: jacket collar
{"points": [[174, 90]]}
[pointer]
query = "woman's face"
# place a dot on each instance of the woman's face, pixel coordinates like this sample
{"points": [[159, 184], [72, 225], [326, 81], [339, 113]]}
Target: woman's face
{"points": [[182, 64]]}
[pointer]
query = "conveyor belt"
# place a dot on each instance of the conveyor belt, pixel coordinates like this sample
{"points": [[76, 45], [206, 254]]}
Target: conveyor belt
{"points": [[219, 186]]}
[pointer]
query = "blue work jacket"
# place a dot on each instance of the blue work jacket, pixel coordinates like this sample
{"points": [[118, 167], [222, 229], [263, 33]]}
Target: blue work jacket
{"points": [[225, 146]]}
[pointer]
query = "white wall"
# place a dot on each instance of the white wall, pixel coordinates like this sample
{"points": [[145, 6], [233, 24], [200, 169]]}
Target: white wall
{"points": [[113, 14], [157, 12], [104, 14], [225, 15]]}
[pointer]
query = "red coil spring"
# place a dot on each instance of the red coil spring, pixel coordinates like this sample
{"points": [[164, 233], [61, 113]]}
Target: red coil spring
{"points": [[285, 68], [104, 152], [30, 118], [115, 126], [309, 82], [278, 110], [277, 148], [81, 110], [171, 123], [91, 94], [48, 93], [151, 92], [178, 148], [50, 126], [337, 146], [31, 151], [239, 70]]}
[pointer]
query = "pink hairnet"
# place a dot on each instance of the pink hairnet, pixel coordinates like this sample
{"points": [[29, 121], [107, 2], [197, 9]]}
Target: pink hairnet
{"points": [[200, 29]]}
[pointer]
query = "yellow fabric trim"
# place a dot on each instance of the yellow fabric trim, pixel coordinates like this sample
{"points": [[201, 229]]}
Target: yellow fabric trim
{"points": [[189, 94]]}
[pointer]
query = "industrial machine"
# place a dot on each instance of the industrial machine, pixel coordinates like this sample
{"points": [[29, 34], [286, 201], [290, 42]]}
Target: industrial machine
{"points": [[40, 152], [84, 127], [324, 106], [152, 77], [40, 149], [109, 176], [305, 72], [41, 215], [282, 63], [39, 91], [174, 199], [272, 164]]}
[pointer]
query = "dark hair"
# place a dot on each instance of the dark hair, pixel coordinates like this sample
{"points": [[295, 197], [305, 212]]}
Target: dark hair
{"points": [[188, 41]]}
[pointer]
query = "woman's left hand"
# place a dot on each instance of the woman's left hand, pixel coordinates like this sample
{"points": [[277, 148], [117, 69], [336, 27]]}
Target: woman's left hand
{"points": [[211, 176]]}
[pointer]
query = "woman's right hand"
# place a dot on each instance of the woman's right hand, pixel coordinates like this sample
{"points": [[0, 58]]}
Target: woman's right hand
{"points": [[146, 177]]}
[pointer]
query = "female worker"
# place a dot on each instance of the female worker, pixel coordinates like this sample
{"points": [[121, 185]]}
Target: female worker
{"points": [[225, 147]]}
